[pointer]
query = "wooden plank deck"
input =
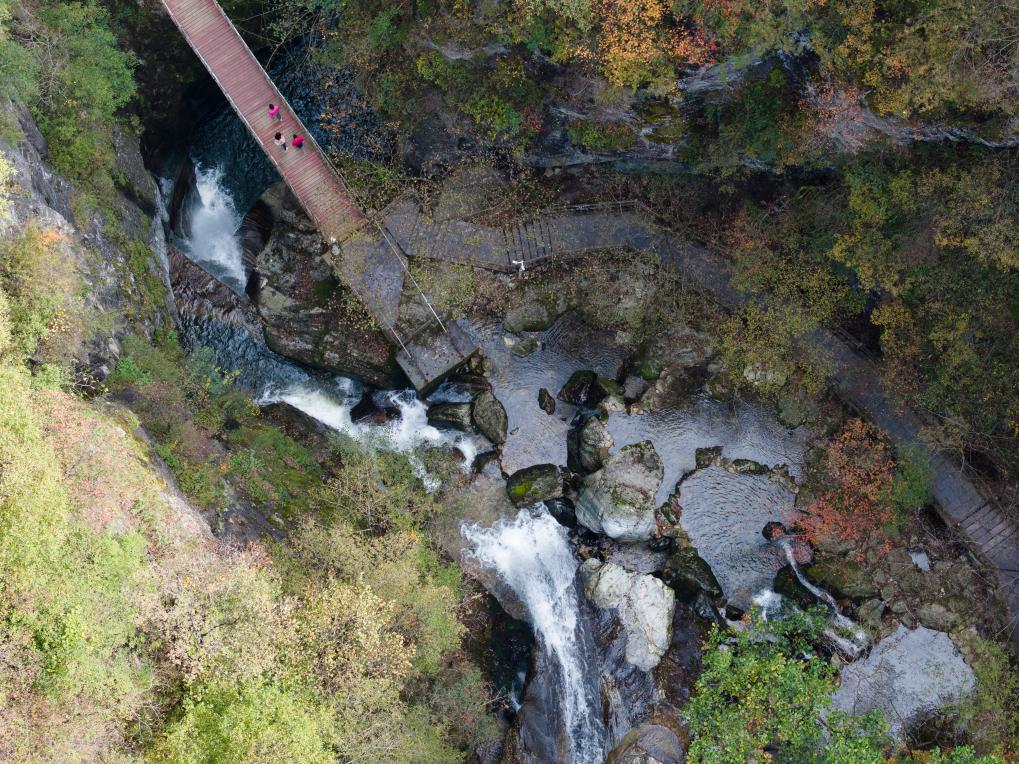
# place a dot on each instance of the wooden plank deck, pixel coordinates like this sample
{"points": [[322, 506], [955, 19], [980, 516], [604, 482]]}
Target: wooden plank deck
{"points": [[240, 76]]}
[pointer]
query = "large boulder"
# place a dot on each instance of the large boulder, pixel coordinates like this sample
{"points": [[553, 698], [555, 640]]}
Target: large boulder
{"points": [[619, 499], [688, 574], [643, 604], [657, 741], [843, 577], [541, 482], [489, 417], [594, 444], [308, 314], [455, 415]]}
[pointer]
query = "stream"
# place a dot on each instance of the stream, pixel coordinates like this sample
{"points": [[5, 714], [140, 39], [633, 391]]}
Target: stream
{"points": [[533, 555]]}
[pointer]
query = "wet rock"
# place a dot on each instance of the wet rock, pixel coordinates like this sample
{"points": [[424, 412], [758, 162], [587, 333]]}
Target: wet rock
{"points": [[562, 510], [594, 444], [634, 387], [643, 604], [720, 387], [301, 302], [525, 347], [619, 499], [789, 586], [542, 482], [367, 410], [869, 614], [843, 577], [546, 402], [604, 387], [705, 457], [747, 467], [654, 742], [455, 415], [611, 404], [906, 675], [489, 416], [688, 574], [577, 389]]}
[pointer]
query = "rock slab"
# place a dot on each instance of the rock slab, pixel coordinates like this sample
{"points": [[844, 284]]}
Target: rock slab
{"points": [[643, 604]]}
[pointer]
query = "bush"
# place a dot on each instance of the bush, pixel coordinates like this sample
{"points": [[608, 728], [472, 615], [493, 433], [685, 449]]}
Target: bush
{"points": [[762, 694], [253, 721], [43, 287]]}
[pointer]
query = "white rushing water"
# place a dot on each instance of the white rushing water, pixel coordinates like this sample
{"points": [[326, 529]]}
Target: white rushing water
{"points": [[406, 433], [847, 636], [532, 555], [213, 242]]}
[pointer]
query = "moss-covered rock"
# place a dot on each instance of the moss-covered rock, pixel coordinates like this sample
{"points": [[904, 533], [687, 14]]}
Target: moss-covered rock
{"points": [[455, 415], [489, 416], [541, 482], [843, 577], [688, 574]]}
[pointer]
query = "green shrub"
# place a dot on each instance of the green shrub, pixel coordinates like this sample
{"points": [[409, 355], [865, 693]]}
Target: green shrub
{"points": [[225, 723]]}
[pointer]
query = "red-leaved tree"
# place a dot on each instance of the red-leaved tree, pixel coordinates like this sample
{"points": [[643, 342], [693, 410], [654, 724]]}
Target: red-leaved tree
{"points": [[857, 506]]}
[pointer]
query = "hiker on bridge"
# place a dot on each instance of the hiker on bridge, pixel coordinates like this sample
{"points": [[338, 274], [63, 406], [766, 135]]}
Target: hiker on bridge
{"points": [[274, 112], [281, 141], [297, 141]]}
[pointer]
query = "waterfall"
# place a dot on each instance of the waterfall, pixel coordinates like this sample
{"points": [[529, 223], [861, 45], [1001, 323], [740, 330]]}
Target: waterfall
{"points": [[843, 633], [532, 555], [406, 433], [212, 241]]}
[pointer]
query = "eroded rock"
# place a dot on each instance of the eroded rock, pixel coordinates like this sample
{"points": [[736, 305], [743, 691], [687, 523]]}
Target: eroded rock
{"points": [[593, 444]]}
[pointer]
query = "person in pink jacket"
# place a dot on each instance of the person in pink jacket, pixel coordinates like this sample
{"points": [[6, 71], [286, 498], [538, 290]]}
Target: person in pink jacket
{"points": [[274, 112], [297, 141]]}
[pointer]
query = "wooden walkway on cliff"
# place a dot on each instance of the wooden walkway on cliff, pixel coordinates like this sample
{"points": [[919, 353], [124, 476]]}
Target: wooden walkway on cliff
{"points": [[370, 261]]}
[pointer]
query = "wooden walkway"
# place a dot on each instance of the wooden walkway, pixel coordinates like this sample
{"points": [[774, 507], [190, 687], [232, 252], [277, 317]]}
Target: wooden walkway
{"points": [[378, 279]]}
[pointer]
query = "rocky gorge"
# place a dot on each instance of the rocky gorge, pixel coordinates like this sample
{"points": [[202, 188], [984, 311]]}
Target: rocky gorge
{"points": [[615, 489]]}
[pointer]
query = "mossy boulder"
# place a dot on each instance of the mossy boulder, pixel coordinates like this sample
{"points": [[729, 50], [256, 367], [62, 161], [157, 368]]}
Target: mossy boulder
{"points": [[688, 574], [541, 482], [843, 578], [455, 415], [546, 402], [525, 347], [619, 499], [489, 416]]}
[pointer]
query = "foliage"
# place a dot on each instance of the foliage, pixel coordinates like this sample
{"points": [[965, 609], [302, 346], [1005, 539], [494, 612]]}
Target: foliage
{"points": [[230, 724], [858, 507], [760, 695], [44, 292], [70, 69], [601, 137], [989, 714]]}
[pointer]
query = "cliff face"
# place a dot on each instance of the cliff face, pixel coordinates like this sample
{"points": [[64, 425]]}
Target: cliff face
{"points": [[118, 246]]}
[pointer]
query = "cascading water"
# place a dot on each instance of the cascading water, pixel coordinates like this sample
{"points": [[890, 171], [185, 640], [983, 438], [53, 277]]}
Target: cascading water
{"points": [[212, 242], [532, 555], [844, 634]]}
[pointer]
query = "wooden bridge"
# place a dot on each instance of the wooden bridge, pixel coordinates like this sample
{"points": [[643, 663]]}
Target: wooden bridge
{"points": [[361, 250]]}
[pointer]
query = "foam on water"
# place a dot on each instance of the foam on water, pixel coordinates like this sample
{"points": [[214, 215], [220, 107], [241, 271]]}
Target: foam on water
{"points": [[406, 433], [532, 555]]}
